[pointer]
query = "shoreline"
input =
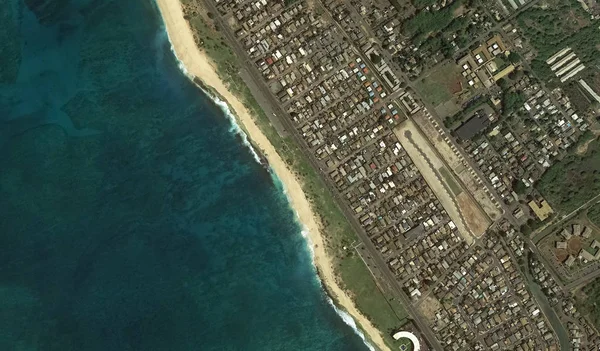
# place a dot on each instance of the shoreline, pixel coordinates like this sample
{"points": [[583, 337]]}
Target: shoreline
{"points": [[201, 70]]}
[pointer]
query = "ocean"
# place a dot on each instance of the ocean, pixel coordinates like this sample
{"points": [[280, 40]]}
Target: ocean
{"points": [[133, 216]]}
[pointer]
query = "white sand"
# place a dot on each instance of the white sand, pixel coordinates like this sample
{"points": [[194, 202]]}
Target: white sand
{"points": [[199, 65]]}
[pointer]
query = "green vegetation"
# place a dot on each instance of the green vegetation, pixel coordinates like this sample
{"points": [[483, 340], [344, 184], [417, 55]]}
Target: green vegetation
{"points": [[215, 47], [591, 303], [500, 62], [513, 57], [526, 230], [449, 179], [511, 101], [454, 121], [376, 59], [577, 96], [426, 22], [384, 312], [593, 214], [583, 139], [572, 181], [530, 226], [423, 3], [459, 28], [406, 343], [440, 84], [561, 24], [437, 44], [519, 187]]}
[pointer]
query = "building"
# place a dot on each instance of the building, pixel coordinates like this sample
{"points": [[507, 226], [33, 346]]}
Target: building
{"points": [[473, 125], [542, 211]]}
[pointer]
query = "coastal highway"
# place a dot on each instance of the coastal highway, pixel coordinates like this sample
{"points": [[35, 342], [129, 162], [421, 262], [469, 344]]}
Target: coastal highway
{"points": [[264, 95]]}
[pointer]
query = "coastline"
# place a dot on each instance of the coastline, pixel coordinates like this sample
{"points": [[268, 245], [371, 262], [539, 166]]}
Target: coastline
{"points": [[200, 67]]}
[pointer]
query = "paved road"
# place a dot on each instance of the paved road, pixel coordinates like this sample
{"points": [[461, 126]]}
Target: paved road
{"points": [[290, 128], [583, 280]]}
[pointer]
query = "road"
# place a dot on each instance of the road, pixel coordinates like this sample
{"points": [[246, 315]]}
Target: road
{"points": [[286, 121]]}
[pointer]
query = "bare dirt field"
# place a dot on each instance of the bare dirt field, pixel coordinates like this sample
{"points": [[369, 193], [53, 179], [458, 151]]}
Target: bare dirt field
{"points": [[475, 219], [561, 255], [459, 166], [428, 163], [574, 245], [428, 306]]}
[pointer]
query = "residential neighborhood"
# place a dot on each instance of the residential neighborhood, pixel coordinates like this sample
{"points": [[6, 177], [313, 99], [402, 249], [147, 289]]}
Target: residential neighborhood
{"points": [[443, 128]]}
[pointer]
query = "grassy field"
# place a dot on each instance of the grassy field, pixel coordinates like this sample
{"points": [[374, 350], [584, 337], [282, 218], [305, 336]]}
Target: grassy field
{"points": [[578, 97], [572, 181], [591, 302], [593, 214], [449, 179], [406, 343], [439, 85], [385, 314]]}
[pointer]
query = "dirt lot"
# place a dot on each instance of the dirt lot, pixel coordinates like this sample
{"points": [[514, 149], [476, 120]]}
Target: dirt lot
{"points": [[561, 255], [428, 306], [475, 219], [459, 166], [574, 245], [424, 157]]}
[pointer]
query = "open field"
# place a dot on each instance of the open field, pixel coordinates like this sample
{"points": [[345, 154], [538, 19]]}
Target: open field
{"points": [[458, 165], [590, 301], [428, 306], [440, 84], [370, 297], [475, 219], [449, 179], [562, 183], [593, 214], [428, 163], [578, 97], [386, 299]]}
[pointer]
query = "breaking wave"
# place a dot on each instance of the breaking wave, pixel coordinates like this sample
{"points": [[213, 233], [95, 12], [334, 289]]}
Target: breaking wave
{"points": [[235, 128], [347, 318]]}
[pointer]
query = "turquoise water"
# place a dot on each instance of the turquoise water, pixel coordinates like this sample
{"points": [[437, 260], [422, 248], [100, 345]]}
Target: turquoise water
{"points": [[132, 216]]}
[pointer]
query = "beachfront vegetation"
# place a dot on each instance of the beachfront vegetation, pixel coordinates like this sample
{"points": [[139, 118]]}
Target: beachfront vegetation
{"points": [[562, 183], [377, 304]]}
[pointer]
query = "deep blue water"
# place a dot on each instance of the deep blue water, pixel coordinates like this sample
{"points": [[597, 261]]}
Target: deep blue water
{"points": [[132, 217]]}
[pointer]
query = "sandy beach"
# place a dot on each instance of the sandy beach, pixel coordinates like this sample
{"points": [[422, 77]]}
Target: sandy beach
{"points": [[200, 66]]}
